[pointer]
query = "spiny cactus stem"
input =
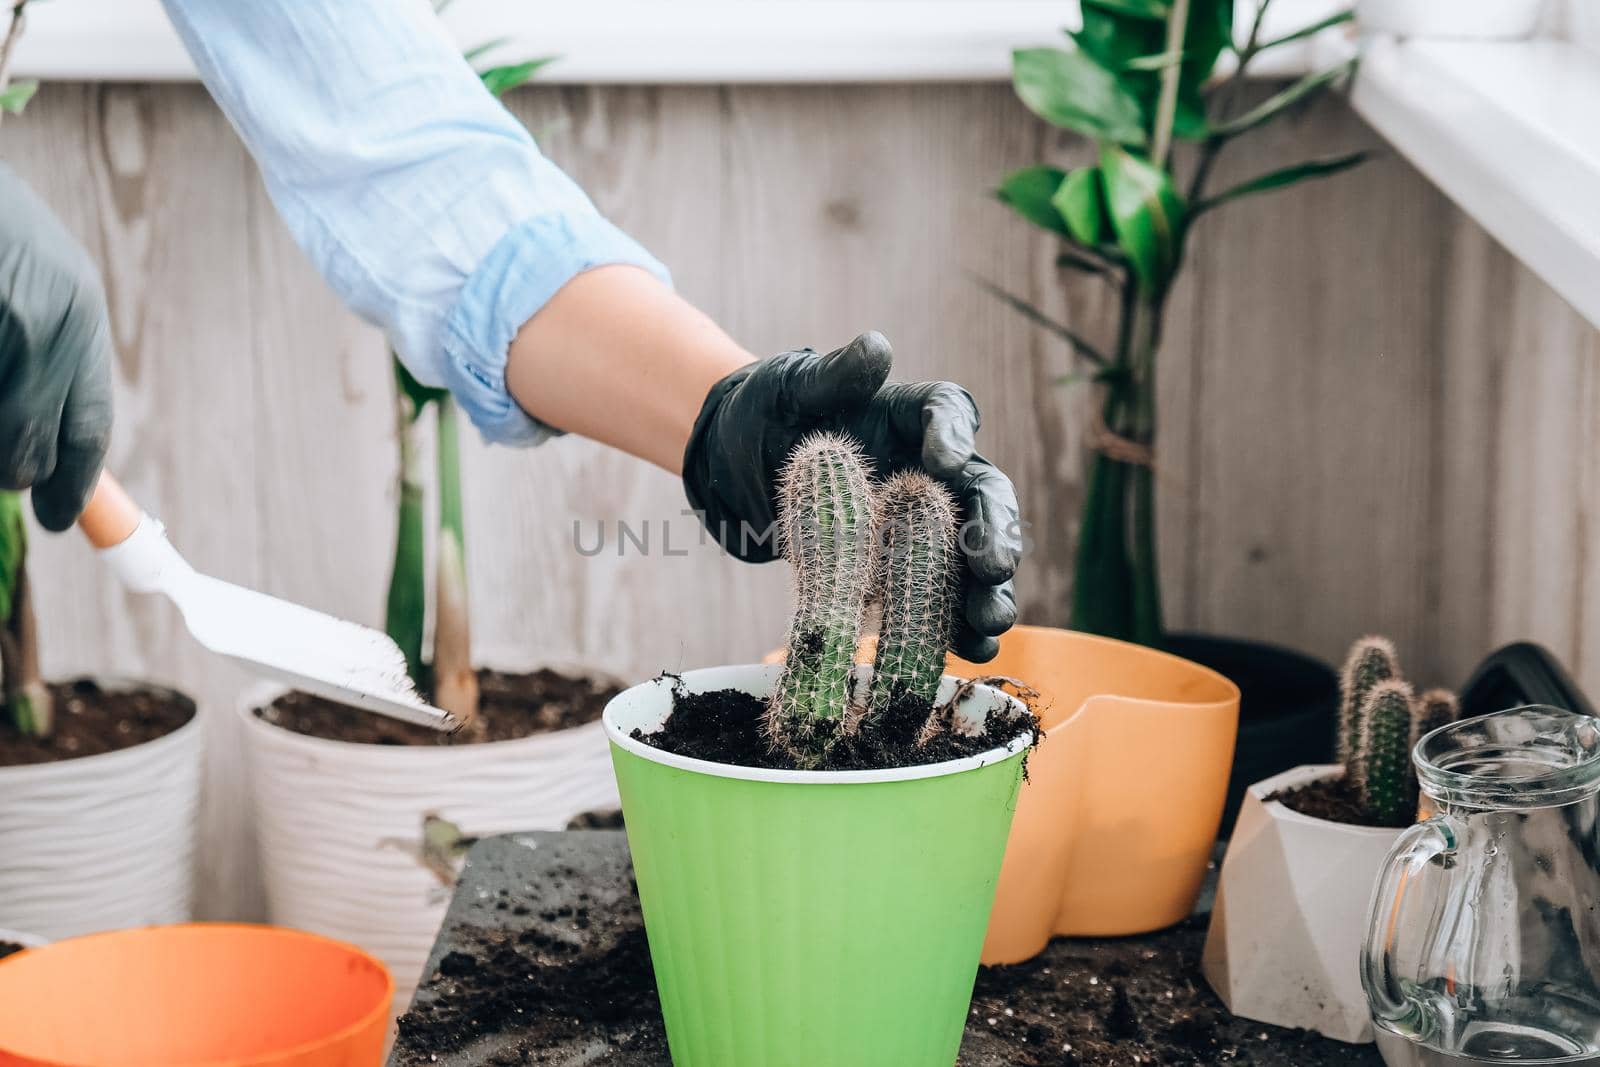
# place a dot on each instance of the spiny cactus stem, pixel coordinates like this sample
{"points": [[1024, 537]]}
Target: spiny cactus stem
{"points": [[1372, 660], [1383, 754], [915, 544]]}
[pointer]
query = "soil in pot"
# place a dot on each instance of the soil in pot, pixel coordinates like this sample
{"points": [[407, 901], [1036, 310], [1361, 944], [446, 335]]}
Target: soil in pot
{"points": [[725, 726], [10, 948], [511, 706], [91, 720], [1333, 799]]}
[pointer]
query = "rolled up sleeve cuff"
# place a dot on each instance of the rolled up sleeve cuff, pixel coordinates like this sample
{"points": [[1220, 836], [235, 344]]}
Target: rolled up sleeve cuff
{"points": [[517, 278]]}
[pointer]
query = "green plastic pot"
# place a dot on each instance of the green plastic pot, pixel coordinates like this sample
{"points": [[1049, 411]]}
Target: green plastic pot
{"points": [[811, 918]]}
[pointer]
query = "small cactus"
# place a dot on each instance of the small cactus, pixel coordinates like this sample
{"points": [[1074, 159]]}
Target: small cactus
{"points": [[1372, 660], [915, 552], [824, 530], [1380, 722], [1383, 761]]}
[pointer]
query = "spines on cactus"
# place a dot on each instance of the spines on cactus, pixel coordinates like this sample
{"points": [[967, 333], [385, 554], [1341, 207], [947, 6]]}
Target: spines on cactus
{"points": [[1372, 660], [915, 548], [825, 519], [1383, 763]]}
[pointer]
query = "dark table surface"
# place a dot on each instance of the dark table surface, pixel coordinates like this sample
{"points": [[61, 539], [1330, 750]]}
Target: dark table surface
{"points": [[529, 886]]}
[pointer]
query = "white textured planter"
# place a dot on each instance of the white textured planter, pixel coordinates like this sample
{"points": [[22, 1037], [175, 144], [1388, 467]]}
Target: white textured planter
{"points": [[340, 824], [101, 842], [1478, 20], [1292, 905]]}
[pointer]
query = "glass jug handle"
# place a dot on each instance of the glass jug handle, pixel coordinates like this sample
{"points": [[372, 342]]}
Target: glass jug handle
{"points": [[1415, 849]]}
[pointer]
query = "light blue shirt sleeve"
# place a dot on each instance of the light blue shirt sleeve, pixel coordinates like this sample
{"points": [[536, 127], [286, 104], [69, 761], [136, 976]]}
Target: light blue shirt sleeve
{"points": [[422, 201]]}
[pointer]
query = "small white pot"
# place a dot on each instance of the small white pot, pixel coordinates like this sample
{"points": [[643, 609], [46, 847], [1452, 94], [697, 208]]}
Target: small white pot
{"points": [[340, 824], [1284, 945], [101, 842], [1481, 20]]}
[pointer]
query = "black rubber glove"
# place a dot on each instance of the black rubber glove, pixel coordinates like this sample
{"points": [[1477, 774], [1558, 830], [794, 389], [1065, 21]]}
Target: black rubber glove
{"points": [[55, 359], [753, 418]]}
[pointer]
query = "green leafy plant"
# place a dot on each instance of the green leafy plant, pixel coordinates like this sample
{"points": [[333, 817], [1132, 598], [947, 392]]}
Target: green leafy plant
{"points": [[24, 698], [1380, 721], [449, 673], [1138, 78]]}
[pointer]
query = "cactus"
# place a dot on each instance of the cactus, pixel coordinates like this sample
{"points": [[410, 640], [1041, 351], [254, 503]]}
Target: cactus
{"points": [[1379, 724], [915, 553], [1372, 660], [1383, 755], [1436, 708], [824, 530]]}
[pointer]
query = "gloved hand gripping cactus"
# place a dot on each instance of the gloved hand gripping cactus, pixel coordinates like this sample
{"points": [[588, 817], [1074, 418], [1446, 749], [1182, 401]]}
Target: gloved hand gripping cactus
{"points": [[753, 419]]}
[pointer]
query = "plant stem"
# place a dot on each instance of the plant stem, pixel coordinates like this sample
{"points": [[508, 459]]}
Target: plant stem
{"points": [[1171, 75], [455, 685], [26, 696], [407, 601], [1213, 145]]}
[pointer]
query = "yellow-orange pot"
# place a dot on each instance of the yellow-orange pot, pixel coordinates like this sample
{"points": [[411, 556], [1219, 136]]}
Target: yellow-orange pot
{"points": [[1115, 823]]}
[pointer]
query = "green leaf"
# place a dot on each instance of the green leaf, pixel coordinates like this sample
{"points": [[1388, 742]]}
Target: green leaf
{"points": [[1309, 31], [478, 51], [1278, 103], [1140, 9], [1159, 61], [1071, 90], [1113, 39], [1029, 190], [500, 80], [1147, 214], [1279, 179], [13, 548], [1081, 345], [1081, 200], [16, 96]]}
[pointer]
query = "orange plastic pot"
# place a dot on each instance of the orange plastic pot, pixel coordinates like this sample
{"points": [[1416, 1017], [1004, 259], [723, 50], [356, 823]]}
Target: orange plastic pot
{"points": [[1115, 824], [196, 995]]}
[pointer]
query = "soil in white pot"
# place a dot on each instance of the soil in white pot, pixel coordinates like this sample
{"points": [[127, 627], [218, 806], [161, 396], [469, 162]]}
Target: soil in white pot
{"points": [[510, 706], [91, 720], [1336, 800], [726, 726]]}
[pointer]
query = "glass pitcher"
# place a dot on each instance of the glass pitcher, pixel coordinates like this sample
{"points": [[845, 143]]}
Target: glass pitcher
{"points": [[1484, 941]]}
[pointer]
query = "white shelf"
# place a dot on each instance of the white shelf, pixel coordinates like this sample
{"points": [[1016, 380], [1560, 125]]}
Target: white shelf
{"points": [[1509, 131], [651, 41]]}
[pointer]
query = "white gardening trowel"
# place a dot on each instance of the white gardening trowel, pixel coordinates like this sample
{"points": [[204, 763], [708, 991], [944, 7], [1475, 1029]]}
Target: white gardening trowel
{"points": [[318, 653]]}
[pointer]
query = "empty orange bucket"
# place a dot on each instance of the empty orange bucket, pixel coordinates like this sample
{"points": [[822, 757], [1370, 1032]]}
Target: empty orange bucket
{"points": [[196, 995], [1116, 822]]}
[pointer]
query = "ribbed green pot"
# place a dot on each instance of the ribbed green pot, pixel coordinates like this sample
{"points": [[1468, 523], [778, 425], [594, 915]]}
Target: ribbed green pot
{"points": [[811, 919]]}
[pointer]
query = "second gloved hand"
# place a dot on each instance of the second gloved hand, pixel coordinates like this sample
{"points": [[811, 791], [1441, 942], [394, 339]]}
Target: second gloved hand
{"points": [[753, 418], [55, 359]]}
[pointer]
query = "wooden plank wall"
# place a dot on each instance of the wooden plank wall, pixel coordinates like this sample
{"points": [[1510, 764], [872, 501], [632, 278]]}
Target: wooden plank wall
{"points": [[1374, 419]]}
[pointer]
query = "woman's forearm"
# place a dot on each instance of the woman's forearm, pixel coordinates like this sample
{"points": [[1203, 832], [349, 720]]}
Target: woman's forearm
{"points": [[619, 357]]}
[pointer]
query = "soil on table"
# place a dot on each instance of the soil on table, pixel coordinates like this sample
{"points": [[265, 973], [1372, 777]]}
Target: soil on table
{"points": [[1113, 1002], [581, 973], [90, 721], [1335, 800], [724, 726], [10, 948], [510, 706]]}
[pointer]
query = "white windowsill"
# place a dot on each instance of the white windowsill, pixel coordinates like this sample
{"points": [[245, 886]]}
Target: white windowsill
{"points": [[648, 41]]}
